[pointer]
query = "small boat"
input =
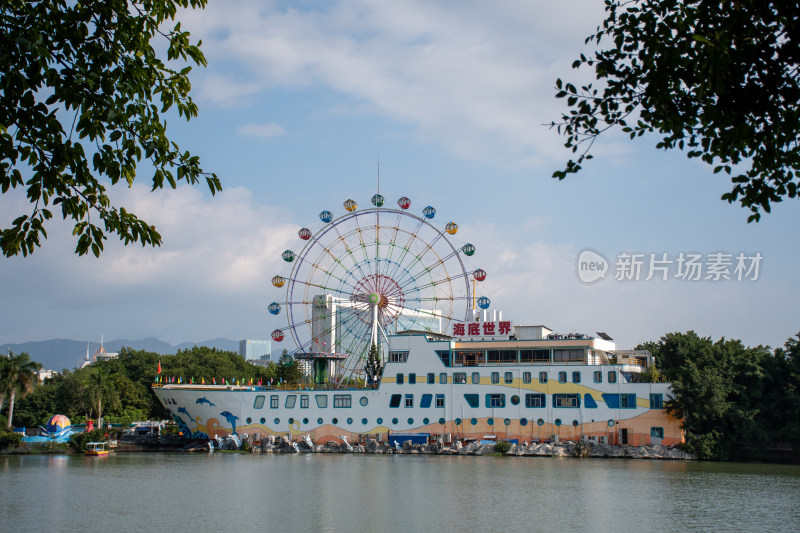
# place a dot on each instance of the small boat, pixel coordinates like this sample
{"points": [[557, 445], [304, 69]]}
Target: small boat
{"points": [[96, 448]]}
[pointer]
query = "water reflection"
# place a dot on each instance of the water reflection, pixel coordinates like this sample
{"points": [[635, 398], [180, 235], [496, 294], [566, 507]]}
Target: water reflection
{"points": [[392, 493]]}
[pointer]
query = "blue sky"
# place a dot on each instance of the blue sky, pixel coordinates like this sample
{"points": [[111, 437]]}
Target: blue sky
{"points": [[299, 103]]}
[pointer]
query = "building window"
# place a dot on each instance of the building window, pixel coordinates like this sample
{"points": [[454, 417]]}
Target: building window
{"points": [[495, 378], [425, 401], [400, 378], [526, 377], [612, 376], [501, 357], [472, 400], [534, 400], [476, 378], [656, 433], [398, 357], [534, 356], [290, 401], [566, 400], [460, 378], [273, 401], [627, 401], [576, 377], [431, 378], [656, 401], [395, 399], [542, 377], [443, 378], [259, 402], [304, 401], [598, 376], [412, 379], [562, 377], [509, 377], [569, 354], [322, 401], [409, 400], [440, 400], [495, 400], [342, 400]]}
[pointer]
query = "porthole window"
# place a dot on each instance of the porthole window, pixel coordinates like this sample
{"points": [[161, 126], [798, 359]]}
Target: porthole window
{"points": [[249, 420], [474, 421], [349, 420], [319, 421], [515, 400], [364, 421], [575, 423], [540, 421], [363, 400], [507, 421], [611, 423], [490, 421], [410, 421], [263, 420], [394, 421], [335, 420], [458, 421], [523, 421], [291, 420], [380, 421], [277, 421], [426, 421], [558, 421], [441, 421], [305, 421]]}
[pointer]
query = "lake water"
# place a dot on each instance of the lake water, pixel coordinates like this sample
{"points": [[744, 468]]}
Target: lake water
{"points": [[234, 492]]}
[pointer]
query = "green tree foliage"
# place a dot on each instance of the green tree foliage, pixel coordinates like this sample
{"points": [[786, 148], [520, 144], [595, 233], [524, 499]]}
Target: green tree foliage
{"points": [[17, 376], [719, 80], [373, 369], [729, 394], [132, 373], [84, 95], [101, 389]]}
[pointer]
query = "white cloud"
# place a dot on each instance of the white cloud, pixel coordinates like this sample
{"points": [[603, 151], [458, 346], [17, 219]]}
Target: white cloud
{"points": [[264, 131], [477, 78], [226, 91], [209, 278]]}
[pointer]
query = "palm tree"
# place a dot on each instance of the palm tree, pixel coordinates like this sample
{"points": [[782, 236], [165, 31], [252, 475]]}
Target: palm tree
{"points": [[101, 387], [3, 364], [17, 374]]}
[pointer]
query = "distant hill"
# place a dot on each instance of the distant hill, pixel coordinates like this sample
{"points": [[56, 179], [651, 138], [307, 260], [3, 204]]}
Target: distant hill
{"points": [[58, 354]]}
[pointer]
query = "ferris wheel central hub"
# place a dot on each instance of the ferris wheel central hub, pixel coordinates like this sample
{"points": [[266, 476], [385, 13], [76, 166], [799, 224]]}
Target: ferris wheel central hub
{"points": [[381, 291]]}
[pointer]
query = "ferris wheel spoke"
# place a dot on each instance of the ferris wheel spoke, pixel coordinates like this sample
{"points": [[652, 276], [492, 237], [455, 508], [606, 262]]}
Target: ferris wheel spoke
{"points": [[356, 263], [406, 249], [448, 279]]}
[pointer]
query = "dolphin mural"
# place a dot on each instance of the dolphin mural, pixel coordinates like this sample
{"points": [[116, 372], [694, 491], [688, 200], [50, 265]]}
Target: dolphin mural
{"points": [[231, 418], [184, 411], [204, 400]]}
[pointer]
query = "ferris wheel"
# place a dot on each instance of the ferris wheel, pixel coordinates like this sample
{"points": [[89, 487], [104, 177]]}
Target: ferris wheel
{"points": [[368, 273]]}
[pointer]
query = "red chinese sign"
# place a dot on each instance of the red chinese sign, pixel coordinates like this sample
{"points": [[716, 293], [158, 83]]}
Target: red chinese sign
{"points": [[482, 329]]}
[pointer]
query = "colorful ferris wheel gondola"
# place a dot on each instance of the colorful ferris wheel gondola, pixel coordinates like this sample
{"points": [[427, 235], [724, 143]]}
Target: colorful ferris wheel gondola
{"points": [[429, 212], [377, 200], [404, 203], [304, 234]]}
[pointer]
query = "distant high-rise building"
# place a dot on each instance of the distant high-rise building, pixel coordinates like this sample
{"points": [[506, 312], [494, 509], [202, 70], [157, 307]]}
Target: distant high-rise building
{"points": [[255, 349]]}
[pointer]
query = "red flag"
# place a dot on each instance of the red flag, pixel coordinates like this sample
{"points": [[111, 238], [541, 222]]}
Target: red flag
{"points": [[159, 367]]}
